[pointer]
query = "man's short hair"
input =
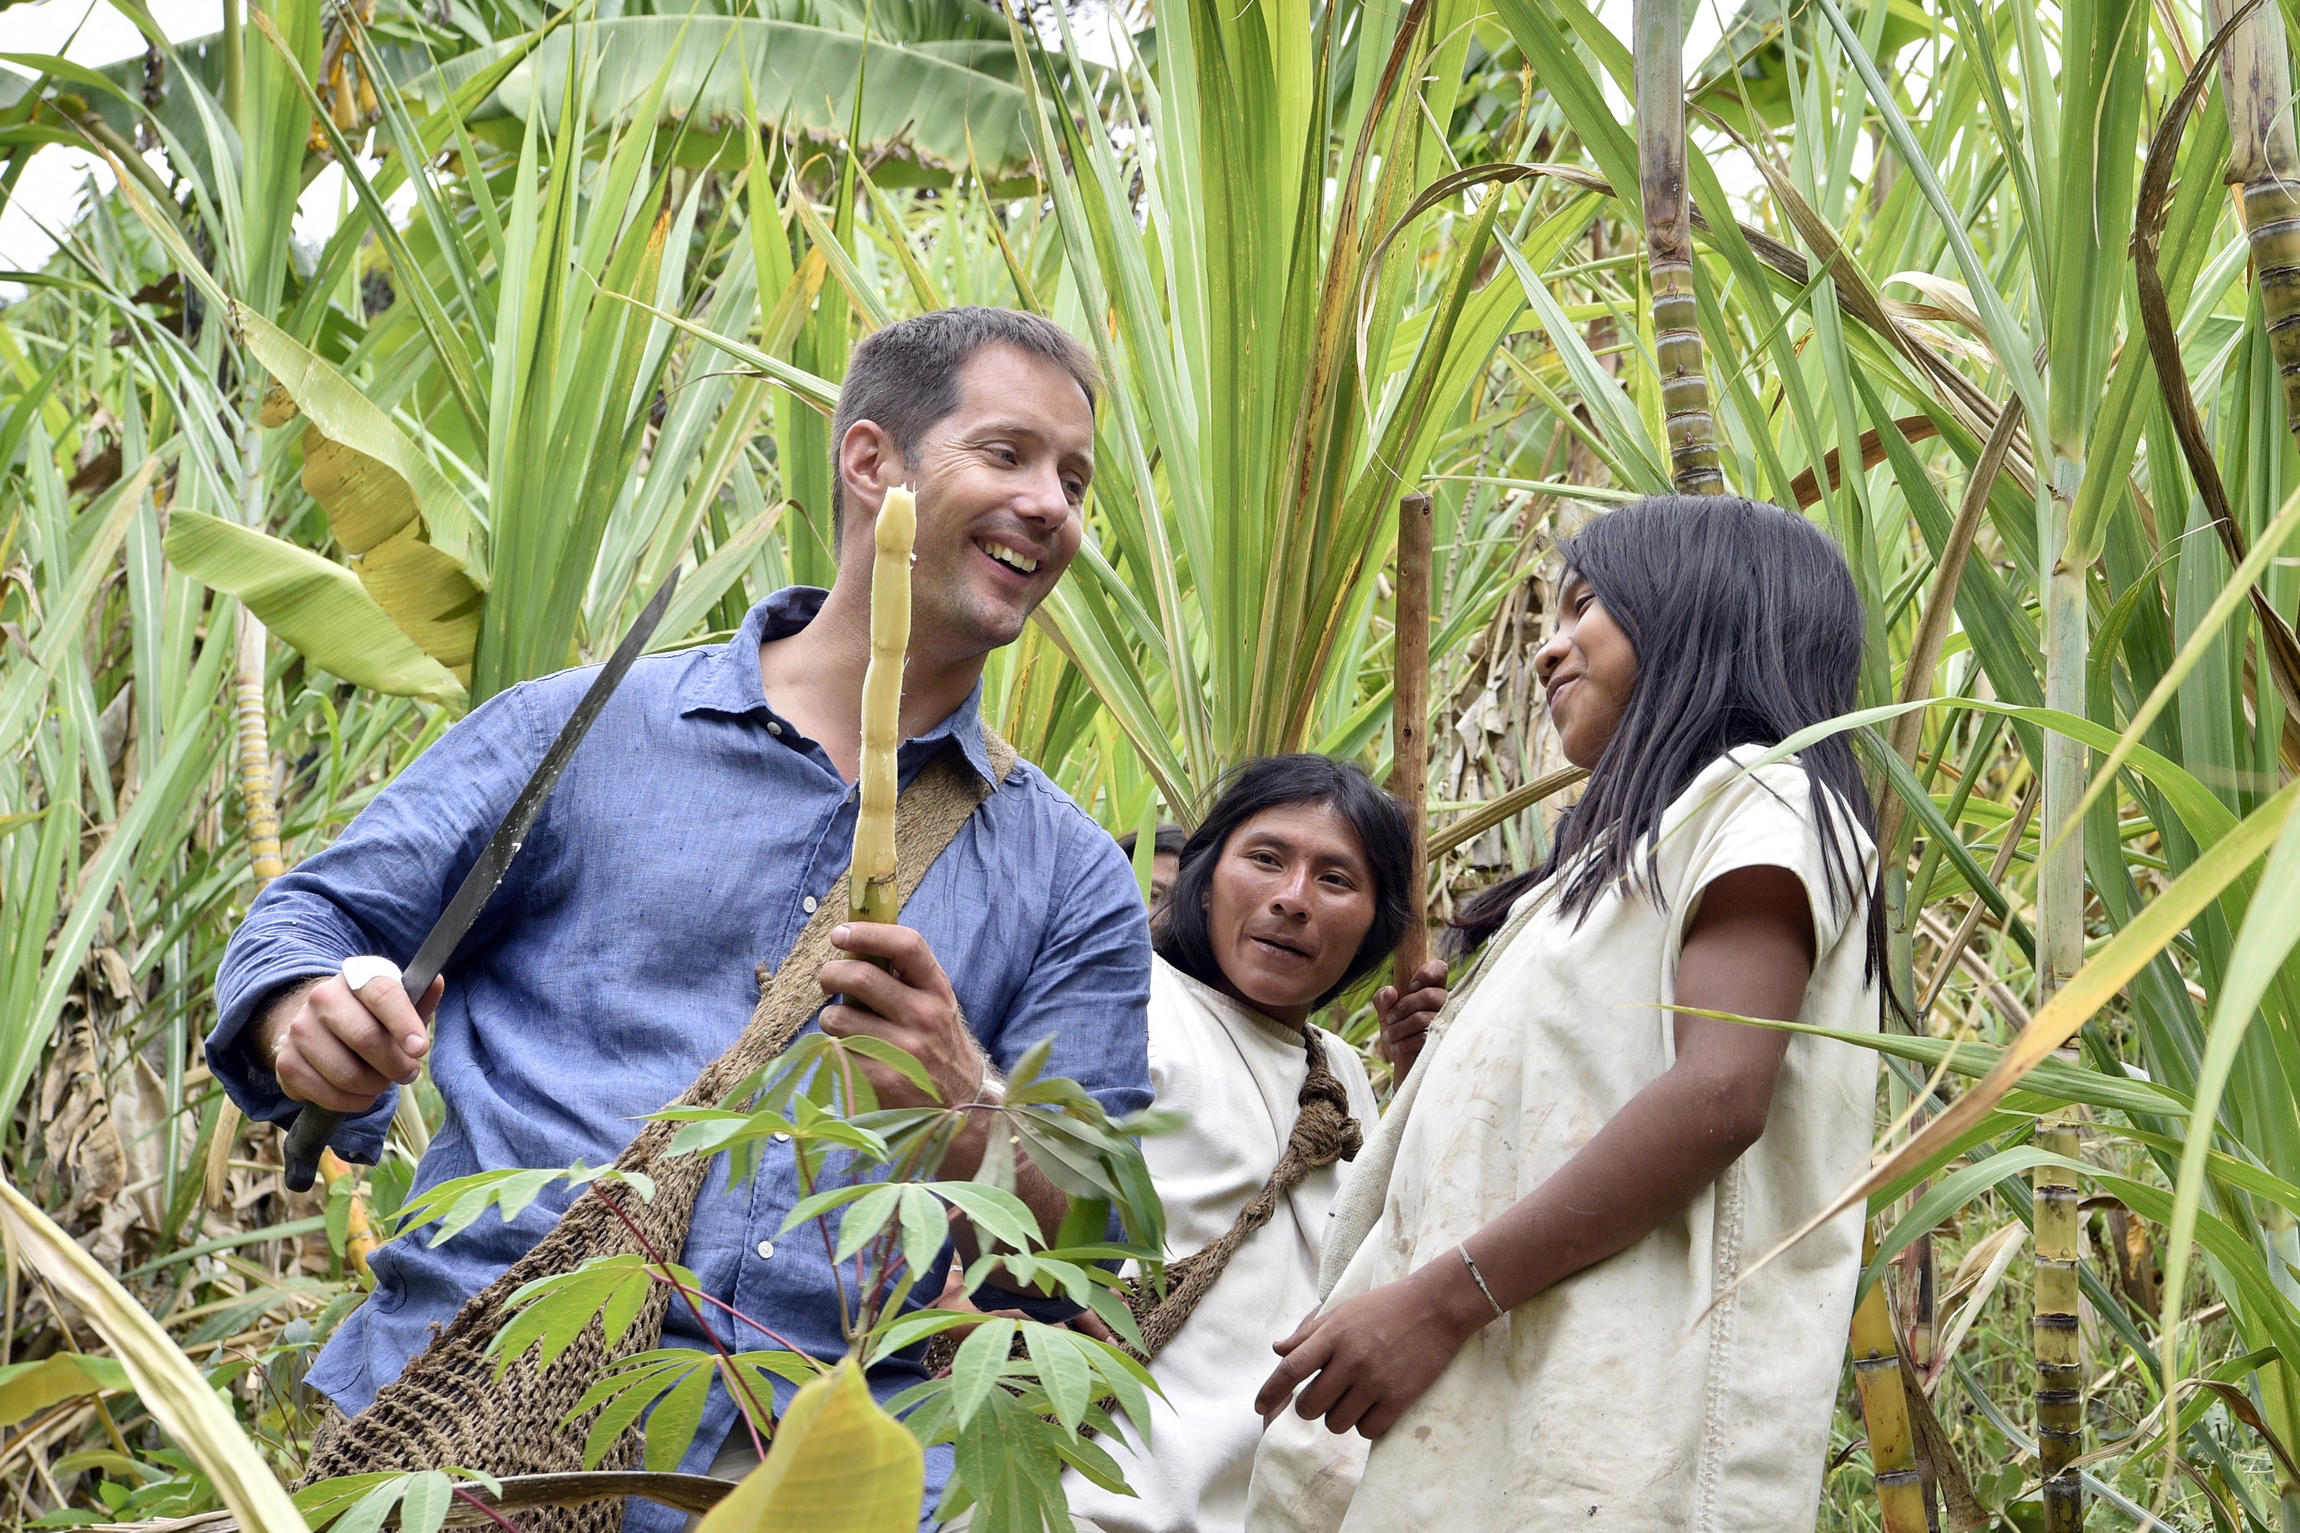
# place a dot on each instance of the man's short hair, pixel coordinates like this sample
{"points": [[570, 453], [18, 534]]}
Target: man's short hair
{"points": [[905, 377], [1168, 844]]}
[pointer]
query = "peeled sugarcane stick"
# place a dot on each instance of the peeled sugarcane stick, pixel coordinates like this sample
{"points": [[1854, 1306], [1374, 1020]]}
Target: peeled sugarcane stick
{"points": [[871, 880], [1885, 1406], [1409, 725]]}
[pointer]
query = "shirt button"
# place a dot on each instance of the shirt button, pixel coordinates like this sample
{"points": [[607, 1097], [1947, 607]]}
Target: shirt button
{"points": [[808, 904], [774, 728], [783, 1138], [766, 1249]]}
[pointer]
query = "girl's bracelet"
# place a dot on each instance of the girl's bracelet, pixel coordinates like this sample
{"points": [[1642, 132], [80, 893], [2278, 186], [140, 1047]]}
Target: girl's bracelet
{"points": [[1478, 1278]]}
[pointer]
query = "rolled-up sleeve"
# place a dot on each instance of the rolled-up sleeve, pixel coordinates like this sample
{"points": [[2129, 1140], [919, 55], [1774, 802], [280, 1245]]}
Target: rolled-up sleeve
{"points": [[377, 890]]}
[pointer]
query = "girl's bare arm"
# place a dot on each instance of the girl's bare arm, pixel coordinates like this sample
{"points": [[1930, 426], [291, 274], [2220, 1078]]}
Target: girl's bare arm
{"points": [[1749, 951]]}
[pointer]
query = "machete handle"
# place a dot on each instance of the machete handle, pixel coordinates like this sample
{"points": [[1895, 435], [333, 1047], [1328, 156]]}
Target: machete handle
{"points": [[307, 1141]]}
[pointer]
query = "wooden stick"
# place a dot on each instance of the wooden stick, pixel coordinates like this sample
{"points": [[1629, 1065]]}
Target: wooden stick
{"points": [[1409, 719]]}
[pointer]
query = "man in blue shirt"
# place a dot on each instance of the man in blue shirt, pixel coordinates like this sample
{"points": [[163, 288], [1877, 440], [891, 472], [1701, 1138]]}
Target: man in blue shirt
{"points": [[706, 815]]}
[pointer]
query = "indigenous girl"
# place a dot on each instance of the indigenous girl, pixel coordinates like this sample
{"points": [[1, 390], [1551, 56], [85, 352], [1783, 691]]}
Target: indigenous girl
{"points": [[1294, 887], [1539, 1311]]}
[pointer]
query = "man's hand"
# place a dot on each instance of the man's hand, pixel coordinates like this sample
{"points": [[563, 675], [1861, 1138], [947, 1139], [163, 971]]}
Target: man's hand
{"points": [[338, 1049], [909, 1004], [1368, 1359], [1406, 1018]]}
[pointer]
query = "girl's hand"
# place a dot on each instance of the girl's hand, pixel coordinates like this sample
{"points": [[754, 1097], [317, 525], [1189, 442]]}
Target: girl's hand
{"points": [[1368, 1359], [1406, 1018]]}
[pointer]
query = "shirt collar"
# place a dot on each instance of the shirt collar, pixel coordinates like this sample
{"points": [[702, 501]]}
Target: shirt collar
{"points": [[725, 679]]}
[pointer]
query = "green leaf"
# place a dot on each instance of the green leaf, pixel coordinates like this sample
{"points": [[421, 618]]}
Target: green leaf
{"points": [[671, 1429], [946, 104], [318, 607], [29, 1388], [1062, 1369], [424, 1507], [976, 1370]]}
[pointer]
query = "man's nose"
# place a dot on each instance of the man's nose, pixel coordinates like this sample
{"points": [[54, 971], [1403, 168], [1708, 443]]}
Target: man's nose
{"points": [[1042, 501], [1293, 893]]}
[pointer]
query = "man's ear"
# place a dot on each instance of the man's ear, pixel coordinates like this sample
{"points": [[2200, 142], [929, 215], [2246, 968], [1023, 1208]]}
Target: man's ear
{"points": [[869, 465]]}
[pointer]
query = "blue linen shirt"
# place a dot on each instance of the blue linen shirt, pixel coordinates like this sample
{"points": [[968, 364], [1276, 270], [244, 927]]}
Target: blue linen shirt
{"points": [[689, 842]]}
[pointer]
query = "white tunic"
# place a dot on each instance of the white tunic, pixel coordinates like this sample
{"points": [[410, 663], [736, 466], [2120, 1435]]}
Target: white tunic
{"points": [[1618, 1399], [1237, 1076]]}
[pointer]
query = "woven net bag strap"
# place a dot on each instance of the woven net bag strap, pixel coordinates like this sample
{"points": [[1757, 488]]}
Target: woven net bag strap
{"points": [[451, 1406], [1324, 1132]]}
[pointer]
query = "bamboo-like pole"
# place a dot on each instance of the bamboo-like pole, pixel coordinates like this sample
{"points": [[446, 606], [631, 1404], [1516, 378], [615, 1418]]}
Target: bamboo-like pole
{"points": [[259, 810], [1659, 31], [2264, 161], [1885, 1407], [871, 888], [1409, 726], [2059, 1351]]}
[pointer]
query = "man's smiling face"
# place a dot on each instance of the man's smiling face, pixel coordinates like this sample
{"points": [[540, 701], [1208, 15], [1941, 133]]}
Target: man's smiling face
{"points": [[1000, 483]]}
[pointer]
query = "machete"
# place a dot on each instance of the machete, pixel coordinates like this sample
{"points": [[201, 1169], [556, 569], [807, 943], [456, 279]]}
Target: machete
{"points": [[314, 1126]]}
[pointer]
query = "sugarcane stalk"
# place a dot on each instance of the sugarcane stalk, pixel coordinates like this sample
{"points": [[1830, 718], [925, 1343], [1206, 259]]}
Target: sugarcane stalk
{"points": [[2059, 1353], [1885, 1407], [1409, 725], [2264, 162], [259, 810], [872, 895], [1687, 422]]}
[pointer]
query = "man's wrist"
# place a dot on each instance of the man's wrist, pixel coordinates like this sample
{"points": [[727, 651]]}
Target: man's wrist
{"points": [[272, 1020]]}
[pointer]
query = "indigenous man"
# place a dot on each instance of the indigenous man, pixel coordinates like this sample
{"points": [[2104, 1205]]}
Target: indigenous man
{"points": [[693, 836], [1165, 860]]}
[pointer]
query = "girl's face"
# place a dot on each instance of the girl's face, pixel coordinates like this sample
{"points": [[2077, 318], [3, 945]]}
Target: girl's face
{"points": [[1588, 669], [1290, 899]]}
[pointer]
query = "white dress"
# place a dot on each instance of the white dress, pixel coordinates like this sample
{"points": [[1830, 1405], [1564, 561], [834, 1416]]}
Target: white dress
{"points": [[1237, 1076], [1619, 1398]]}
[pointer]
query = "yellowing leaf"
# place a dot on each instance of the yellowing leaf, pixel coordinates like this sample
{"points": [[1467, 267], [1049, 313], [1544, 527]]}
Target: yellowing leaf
{"points": [[414, 542], [29, 1388], [180, 1399], [838, 1464], [310, 603]]}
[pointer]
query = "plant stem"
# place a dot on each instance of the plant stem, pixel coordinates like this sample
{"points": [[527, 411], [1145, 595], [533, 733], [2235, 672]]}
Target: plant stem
{"points": [[1409, 726], [1659, 30], [871, 891], [1885, 1407]]}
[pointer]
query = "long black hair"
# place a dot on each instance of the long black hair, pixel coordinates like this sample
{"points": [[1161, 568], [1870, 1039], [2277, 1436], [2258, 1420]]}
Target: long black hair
{"points": [[1179, 931], [1747, 628]]}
